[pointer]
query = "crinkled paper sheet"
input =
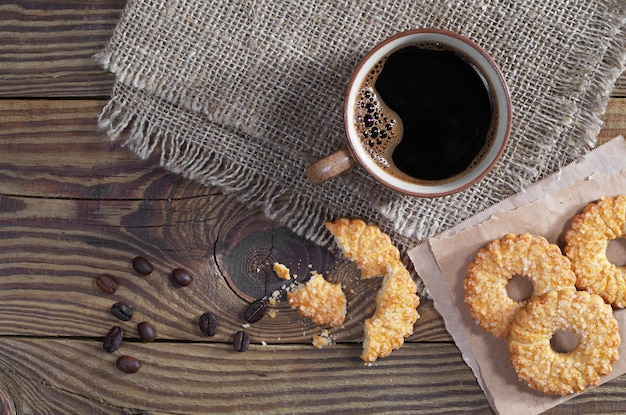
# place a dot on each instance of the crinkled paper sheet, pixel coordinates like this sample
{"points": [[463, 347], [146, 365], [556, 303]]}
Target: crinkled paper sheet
{"points": [[546, 209]]}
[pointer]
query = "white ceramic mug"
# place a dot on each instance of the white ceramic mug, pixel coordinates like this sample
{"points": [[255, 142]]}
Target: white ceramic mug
{"points": [[358, 152]]}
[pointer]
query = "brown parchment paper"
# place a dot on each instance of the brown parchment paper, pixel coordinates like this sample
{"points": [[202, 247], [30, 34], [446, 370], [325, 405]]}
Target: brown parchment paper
{"points": [[545, 209]]}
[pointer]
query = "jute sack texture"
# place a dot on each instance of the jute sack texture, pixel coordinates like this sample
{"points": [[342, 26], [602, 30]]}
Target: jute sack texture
{"points": [[243, 95]]}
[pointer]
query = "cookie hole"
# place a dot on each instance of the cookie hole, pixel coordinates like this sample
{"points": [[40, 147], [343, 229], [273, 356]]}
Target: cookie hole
{"points": [[564, 341], [616, 252], [519, 288]]}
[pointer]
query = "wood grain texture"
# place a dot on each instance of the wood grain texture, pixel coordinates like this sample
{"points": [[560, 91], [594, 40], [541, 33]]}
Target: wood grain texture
{"points": [[74, 205], [47, 47], [614, 120], [51, 376], [203, 379], [68, 215]]}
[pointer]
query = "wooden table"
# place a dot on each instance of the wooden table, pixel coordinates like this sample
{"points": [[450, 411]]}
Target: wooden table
{"points": [[73, 205]]}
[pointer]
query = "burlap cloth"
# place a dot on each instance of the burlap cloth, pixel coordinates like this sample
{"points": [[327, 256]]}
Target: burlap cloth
{"points": [[243, 95]]}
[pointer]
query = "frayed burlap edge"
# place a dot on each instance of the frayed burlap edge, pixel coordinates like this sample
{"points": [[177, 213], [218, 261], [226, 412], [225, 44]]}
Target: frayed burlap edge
{"points": [[122, 119]]}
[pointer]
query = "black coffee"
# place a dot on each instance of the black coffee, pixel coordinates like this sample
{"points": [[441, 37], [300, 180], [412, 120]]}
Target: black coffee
{"points": [[425, 111]]}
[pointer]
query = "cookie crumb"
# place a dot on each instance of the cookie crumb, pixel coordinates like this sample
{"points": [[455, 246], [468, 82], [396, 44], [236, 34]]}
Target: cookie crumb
{"points": [[323, 339], [281, 271]]}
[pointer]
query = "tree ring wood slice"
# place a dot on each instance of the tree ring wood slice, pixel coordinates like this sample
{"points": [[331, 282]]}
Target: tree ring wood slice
{"points": [[246, 255]]}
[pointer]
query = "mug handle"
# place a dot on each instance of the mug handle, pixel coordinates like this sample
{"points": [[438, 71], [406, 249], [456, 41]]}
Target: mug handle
{"points": [[330, 166]]}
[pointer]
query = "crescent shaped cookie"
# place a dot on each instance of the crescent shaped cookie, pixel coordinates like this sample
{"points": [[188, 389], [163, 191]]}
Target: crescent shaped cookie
{"points": [[365, 244], [395, 315], [396, 300]]}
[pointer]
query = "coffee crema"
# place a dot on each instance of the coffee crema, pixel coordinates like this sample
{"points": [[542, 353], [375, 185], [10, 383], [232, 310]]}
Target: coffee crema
{"points": [[425, 114]]}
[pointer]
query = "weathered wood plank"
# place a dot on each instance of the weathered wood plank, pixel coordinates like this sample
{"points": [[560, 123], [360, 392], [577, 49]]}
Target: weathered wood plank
{"points": [[68, 213], [52, 250], [47, 47], [77, 376], [201, 379], [73, 205], [52, 148], [614, 120]]}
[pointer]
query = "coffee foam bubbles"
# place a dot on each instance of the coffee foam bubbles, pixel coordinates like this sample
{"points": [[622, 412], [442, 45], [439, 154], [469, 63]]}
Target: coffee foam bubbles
{"points": [[379, 128], [373, 116]]}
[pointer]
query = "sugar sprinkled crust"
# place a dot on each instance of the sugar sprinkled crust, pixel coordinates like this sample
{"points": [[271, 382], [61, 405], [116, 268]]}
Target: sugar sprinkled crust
{"points": [[365, 244], [319, 300], [586, 242], [396, 300], [566, 309], [395, 315], [495, 264]]}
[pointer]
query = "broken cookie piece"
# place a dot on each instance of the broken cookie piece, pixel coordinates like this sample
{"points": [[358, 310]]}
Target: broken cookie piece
{"points": [[323, 339], [319, 300], [281, 271], [397, 299], [395, 315], [365, 244]]}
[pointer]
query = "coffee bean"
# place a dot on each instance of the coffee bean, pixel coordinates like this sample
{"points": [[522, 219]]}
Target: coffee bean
{"points": [[255, 311], [181, 277], [128, 364], [113, 339], [241, 341], [122, 311], [106, 284], [146, 332], [208, 324], [142, 266]]}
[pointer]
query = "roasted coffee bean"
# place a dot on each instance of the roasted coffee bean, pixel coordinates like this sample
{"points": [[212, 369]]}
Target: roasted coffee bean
{"points": [[128, 364], [142, 266], [255, 311], [106, 284], [113, 339], [208, 324], [122, 311], [181, 277], [146, 332], [241, 341]]}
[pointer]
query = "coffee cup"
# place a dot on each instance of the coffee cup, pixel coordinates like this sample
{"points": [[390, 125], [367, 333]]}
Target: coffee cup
{"points": [[427, 112]]}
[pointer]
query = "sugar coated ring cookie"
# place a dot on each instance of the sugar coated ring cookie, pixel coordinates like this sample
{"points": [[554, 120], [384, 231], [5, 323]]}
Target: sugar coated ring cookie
{"points": [[586, 242], [499, 261], [580, 312]]}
